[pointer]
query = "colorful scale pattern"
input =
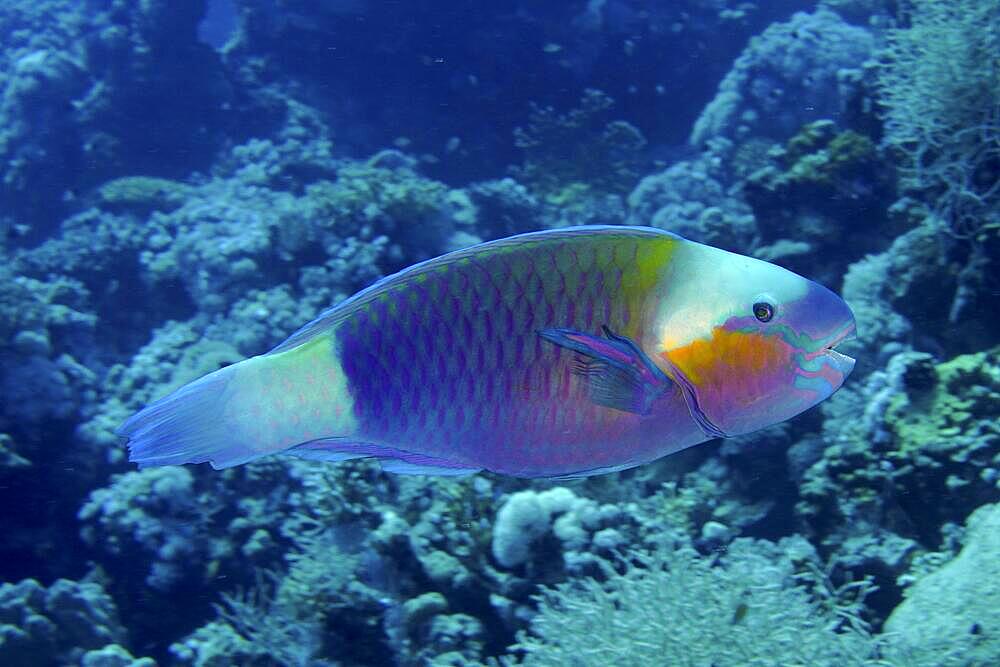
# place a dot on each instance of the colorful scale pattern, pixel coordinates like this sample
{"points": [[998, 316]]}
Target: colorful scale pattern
{"points": [[450, 357]]}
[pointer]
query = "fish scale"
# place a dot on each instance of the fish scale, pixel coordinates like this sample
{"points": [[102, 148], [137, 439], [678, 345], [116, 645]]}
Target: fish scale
{"points": [[500, 373]]}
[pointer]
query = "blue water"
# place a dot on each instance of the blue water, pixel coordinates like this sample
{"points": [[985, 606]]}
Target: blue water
{"points": [[184, 184]]}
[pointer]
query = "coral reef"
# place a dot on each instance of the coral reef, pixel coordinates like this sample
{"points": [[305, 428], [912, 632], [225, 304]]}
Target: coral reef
{"points": [[605, 156], [938, 87], [577, 528], [62, 623], [693, 198], [485, 59], [89, 93], [179, 194], [835, 176], [153, 515], [911, 452]]}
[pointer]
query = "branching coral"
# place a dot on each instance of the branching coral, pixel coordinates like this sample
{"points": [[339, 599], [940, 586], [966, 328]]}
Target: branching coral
{"points": [[674, 607], [940, 88]]}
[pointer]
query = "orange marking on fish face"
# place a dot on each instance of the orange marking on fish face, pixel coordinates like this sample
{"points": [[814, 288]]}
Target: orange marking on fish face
{"points": [[735, 366]]}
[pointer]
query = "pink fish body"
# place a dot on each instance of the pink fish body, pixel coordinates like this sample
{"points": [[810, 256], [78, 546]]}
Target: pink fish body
{"points": [[557, 353]]}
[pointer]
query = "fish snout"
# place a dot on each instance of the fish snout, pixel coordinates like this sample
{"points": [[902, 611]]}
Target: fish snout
{"points": [[841, 362]]}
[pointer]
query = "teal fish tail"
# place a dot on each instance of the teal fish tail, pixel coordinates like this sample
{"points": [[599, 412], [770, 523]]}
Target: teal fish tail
{"points": [[187, 426]]}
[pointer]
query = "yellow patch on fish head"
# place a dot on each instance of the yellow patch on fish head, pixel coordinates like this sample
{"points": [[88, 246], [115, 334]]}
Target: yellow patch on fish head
{"points": [[644, 275]]}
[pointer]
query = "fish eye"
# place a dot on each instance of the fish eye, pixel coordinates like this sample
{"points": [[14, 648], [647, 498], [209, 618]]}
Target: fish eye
{"points": [[763, 311]]}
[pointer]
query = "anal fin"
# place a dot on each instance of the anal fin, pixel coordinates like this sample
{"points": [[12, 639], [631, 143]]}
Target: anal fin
{"points": [[391, 459]]}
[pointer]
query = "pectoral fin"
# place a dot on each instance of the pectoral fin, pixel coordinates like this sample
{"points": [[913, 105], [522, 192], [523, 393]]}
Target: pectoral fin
{"points": [[392, 459], [619, 375]]}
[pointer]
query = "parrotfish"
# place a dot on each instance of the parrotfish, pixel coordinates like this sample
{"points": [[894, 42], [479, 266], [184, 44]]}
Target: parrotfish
{"points": [[560, 353]]}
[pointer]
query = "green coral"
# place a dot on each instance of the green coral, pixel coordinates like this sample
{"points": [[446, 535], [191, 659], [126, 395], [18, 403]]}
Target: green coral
{"points": [[960, 396], [811, 138], [143, 193], [947, 425], [567, 155], [819, 156], [917, 448], [843, 156]]}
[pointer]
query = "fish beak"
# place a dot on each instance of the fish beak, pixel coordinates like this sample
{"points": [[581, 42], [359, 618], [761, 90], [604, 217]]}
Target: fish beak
{"points": [[841, 362]]}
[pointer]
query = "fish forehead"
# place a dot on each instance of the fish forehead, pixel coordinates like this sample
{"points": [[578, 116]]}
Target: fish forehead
{"points": [[709, 287]]}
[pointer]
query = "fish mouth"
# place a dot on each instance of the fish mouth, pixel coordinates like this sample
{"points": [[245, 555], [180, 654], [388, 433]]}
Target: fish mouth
{"points": [[840, 361]]}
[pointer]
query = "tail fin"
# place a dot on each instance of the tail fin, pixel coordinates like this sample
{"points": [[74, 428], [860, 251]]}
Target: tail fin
{"points": [[187, 426]]}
